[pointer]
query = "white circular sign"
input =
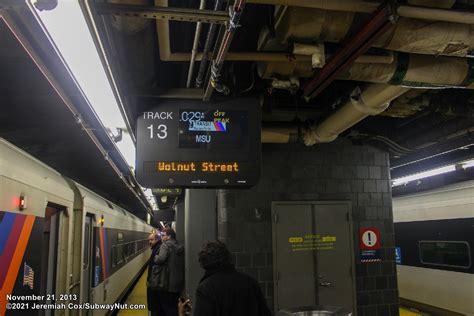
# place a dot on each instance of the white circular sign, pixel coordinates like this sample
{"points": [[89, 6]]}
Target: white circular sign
{"points": [[369, 238]]}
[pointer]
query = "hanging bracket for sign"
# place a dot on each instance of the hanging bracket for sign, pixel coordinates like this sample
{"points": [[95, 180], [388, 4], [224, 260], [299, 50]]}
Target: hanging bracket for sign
{"points": [[186, 143]]}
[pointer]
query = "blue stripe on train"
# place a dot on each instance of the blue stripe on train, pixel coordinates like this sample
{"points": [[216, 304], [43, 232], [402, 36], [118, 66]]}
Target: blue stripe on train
{"points": [[6, 226]]}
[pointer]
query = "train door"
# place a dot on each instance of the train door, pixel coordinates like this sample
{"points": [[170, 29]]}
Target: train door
{"points": [[49, 260], [312, 254], [87, 258]]}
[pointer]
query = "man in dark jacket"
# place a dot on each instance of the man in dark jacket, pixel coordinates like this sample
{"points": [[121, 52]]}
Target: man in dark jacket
{"points": [[223, 291], [171, 260], [154, 240]]}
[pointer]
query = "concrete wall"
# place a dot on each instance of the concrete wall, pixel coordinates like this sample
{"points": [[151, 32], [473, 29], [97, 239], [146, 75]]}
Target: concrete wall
{"points": [[336, 171]]}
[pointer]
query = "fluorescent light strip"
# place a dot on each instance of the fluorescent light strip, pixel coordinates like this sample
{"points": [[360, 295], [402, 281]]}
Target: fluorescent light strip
{"points": [[433, 172], [68, 30], [76, 47]]}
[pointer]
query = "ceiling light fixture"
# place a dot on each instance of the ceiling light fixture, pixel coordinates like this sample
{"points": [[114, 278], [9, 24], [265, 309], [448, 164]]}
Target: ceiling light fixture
{"points": [[69, 33], [433, 172]]}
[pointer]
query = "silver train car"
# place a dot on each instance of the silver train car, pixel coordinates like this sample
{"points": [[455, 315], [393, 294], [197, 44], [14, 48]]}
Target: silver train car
{"points": [[434, 233], [62, 245]]}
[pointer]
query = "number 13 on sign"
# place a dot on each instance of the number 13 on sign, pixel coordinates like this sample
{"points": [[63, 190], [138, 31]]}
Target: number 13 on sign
{"points": [[161, 131]]}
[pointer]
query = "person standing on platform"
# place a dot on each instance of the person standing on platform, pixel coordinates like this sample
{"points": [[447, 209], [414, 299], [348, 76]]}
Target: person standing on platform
{"points": [[170, 260], [223, 291], [154, 240]]}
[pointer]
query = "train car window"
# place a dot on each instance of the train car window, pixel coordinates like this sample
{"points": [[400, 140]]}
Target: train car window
{"points": [[86, 244], [445, 253], [113, 255], [119, 253]]}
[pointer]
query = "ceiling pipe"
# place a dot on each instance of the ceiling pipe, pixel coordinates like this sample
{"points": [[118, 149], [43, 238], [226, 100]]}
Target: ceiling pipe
{"points": [[420, 71], [433, 14], [214, 83], [207, 48], [202, 6], [413, 70], [162, 27], [372, 101], [407, 35]]}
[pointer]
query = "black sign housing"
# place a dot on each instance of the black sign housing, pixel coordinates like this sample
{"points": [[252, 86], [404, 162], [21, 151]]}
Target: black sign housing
{"points": [[189, 143]]}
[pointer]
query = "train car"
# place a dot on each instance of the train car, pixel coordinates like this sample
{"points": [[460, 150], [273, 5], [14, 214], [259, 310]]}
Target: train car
{"points": [[62, 245], [434, 233]]}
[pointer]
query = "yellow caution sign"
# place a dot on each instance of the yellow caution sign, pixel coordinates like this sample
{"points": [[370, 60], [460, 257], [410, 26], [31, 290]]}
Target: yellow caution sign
{"points": [[311, 242]]}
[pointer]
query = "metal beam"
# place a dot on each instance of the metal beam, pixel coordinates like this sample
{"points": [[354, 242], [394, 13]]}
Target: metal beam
{"points": [[378, 23], [163, 13]]}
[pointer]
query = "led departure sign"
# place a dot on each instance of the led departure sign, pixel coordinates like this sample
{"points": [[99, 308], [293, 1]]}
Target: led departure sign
{"points": [[183, 143]]}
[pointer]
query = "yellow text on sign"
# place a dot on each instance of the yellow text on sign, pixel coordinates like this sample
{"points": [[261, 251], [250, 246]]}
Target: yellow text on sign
{"points": [[295, 239]]}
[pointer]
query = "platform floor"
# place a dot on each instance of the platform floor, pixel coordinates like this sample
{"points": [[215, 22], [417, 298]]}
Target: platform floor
{"points": [[137, 296], [407, 312]]}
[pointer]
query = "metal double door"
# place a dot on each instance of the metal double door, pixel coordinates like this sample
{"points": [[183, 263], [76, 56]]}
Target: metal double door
{"points": [[313, 260]]}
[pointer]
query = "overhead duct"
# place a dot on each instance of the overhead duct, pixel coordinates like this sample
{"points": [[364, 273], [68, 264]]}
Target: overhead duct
{"points": [[373, 100], [308, 25], [304, 68], [408, 35], [416, 71], [162, 28], [406, 69], [432, 14], [428, 37]]}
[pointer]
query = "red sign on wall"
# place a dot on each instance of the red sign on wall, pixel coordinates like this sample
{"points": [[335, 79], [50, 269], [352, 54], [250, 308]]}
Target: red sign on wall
{"points": [[369, 238]]}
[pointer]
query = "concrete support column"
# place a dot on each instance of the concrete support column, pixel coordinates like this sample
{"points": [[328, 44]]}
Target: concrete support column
{"points": [[179, 218], [200, 222]]}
